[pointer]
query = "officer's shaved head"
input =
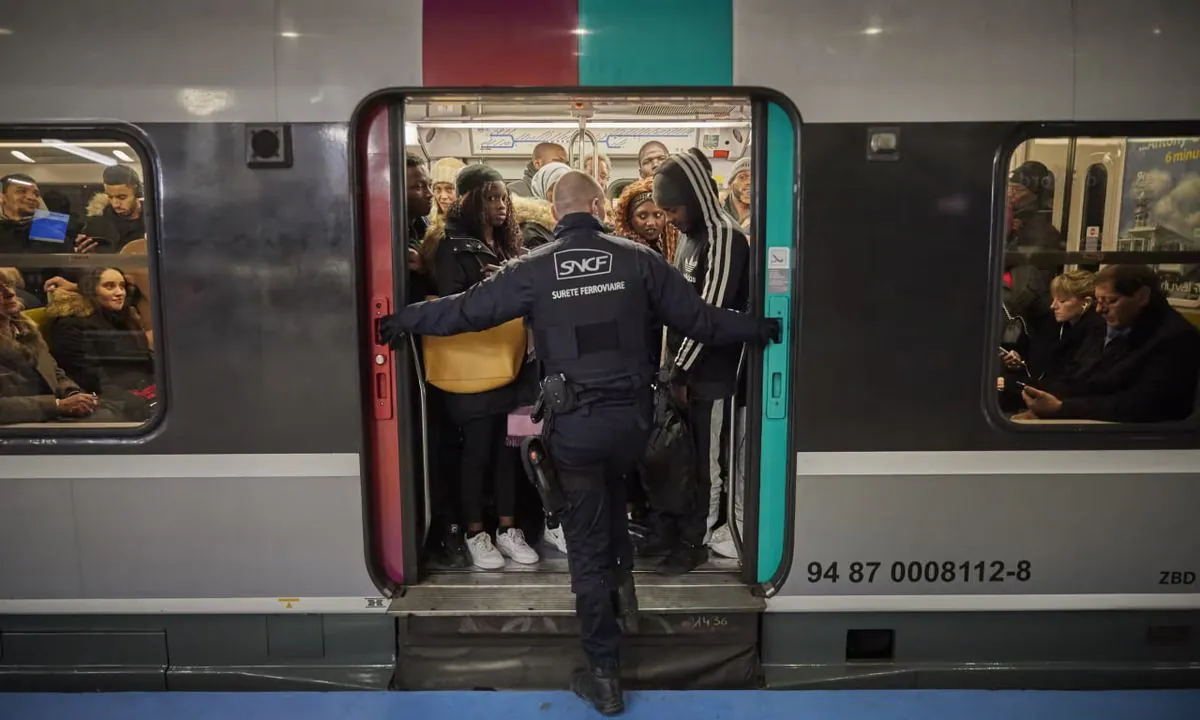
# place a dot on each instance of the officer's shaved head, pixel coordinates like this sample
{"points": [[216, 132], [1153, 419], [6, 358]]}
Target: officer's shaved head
{"points": [[577, 192]]}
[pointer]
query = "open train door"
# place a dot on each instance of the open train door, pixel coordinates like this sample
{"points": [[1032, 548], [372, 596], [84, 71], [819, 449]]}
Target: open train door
{"points": [[700, 629]]}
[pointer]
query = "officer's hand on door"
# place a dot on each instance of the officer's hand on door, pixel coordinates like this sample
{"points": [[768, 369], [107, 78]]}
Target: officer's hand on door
{"points": [[772, 331], [389, 331]]}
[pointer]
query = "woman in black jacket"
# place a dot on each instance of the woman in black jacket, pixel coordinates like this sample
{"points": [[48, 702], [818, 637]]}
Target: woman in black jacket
{"points": [[479, 236], [100, 342], [1080, 336]]}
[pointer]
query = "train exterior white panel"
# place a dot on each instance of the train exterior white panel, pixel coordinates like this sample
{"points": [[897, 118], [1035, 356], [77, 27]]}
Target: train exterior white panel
{"points": [[1136, 61], [996, 523], [110, 527], [345, 51], [216, 61], [940, 60]]}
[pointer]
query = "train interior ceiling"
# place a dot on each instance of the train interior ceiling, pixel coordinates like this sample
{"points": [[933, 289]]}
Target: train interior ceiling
{"points": [[601, 135]]}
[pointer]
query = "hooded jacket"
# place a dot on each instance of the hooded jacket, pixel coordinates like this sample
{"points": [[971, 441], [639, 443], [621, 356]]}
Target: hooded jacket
{"points": [[536, 220], [103, 223], [98, 349], [714, 256]]}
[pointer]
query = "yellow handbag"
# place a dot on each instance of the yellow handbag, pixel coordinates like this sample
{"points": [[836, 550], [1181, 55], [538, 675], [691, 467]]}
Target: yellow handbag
{"points": [[475, 362]]}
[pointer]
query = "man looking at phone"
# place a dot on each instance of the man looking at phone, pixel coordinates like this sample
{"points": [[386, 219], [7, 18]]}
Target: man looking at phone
{"points": [[115, 216]]}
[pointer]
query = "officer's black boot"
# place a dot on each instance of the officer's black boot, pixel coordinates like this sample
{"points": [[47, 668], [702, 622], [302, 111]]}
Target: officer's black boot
{"points": [[627, 602], [601, 689]]}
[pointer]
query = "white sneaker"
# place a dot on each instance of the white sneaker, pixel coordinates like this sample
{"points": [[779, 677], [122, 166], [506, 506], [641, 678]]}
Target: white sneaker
{"points": [[512, 544], [557, 538], [722, 543], [483, 553]]}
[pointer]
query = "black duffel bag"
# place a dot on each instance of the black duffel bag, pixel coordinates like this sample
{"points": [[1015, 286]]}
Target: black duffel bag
{"points": [[668, 467]]}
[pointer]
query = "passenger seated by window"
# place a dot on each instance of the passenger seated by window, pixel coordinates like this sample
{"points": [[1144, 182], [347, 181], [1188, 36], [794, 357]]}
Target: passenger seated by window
{"points": [[115, 215], [100, 342], [29, 301], [1148, 364], [479, 236], [33, 388], [1080, 334]]}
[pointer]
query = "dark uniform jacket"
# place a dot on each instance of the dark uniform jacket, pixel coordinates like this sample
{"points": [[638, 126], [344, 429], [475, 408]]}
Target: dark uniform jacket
{"points": [[568, 290]]}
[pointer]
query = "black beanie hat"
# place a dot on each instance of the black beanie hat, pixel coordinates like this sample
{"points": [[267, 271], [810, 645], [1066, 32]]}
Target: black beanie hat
{"points": [[473, 177], [671, 185]]}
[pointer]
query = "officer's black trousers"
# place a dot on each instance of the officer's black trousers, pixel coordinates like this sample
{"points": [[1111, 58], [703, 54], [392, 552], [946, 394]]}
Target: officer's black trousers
{"points": [[594, 448]]}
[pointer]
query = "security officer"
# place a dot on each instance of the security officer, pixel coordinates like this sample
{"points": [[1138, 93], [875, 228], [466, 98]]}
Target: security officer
{"points": [[589, 299]]}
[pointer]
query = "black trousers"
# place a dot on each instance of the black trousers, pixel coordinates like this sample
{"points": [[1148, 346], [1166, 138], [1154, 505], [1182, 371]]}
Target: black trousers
{"points": [[485, 456], [705, 418], [445, 454], [594, 449]]}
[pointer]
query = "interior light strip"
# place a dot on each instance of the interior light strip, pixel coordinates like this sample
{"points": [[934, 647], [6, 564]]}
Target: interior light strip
{"points": [[601, 125]]}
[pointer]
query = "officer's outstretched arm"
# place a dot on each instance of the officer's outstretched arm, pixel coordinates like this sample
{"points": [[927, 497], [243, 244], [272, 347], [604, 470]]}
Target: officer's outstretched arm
{"points": [[680, 307], [505, 296]]}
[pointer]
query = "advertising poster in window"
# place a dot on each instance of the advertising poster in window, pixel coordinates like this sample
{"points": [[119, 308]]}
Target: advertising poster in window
{"points": [[1160, 209]]}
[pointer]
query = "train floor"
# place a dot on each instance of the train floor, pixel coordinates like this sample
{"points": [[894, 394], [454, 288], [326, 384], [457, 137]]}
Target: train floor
{"points": [[723, 705]]}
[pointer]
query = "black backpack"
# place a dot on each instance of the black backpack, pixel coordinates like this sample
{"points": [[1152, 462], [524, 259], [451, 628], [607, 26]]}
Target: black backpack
{"points": [[668, 468]]}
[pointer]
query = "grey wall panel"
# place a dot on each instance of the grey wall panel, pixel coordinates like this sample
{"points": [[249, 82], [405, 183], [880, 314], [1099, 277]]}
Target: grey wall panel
{"points": [[39, 552], [140, 60], [1080, 533], [221, 537], [931, 60], [1137, 61], [344, 51], [982, 639], [258, 294]]}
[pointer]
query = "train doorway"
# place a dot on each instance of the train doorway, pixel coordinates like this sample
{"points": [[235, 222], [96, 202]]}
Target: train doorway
{"points": [[751, 144]]}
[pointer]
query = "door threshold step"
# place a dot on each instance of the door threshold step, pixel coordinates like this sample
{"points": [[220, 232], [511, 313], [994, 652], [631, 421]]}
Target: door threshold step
{"points": [[547, 593], [553, 561]]}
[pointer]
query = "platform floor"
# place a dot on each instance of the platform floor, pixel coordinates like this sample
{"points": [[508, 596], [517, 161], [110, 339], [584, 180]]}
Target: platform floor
{"points": [[760, 705]]}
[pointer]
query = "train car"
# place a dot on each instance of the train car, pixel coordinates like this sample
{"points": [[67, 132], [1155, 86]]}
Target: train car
{"points": [[254, 516]]}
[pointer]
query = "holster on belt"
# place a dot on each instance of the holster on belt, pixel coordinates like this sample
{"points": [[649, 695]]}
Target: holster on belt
{"points": [[542, 473]]}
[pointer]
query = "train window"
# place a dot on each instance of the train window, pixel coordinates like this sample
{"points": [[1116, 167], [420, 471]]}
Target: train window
{"points": [[1100, 324], [77, 347]]}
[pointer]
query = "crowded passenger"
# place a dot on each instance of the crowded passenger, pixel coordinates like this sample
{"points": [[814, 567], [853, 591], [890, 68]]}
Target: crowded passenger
{"points": [[101, 343], [714, 256], [443, 174], [33, 388], [600, 175], [543, 154], [635, 216], [737, 193], [419, 197], [1148, 364], [479, 236], [115, 215], [650, 156], [29, 301]]}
